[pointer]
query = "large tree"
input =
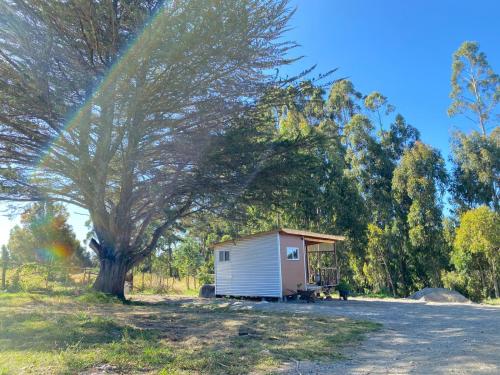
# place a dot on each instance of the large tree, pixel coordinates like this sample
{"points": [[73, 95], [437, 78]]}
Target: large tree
{"points": [[418, 186], [476, 156], [475, 87], [114, 105]]}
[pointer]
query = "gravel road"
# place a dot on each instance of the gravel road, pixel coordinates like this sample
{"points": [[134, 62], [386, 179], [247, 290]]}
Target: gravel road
{"points": [[417, 337]]}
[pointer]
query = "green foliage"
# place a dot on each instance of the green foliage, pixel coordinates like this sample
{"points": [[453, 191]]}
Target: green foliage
{"points": [[418, 185], [30, 277], [492, 301], [476, 251], [45, 237], [377, 268], [206, 272], [66, 335], [463, 284], [475, 175], [475, 86], [187, 258], [343, 102], [476, 170], [376, 102]]}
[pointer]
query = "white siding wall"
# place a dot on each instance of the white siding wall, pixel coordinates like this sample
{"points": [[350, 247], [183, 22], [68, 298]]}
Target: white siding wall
{"points": [[253, 269]]}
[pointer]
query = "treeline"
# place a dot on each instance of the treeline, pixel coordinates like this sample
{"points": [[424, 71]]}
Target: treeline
{"points": [[363, 171]]}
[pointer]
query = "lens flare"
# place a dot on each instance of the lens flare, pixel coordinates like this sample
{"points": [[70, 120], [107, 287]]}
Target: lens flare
{"points": [[125, 66], [56, 251]]}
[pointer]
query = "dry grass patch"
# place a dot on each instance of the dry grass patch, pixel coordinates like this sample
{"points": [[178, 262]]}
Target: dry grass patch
{"points": [[52, 335]]}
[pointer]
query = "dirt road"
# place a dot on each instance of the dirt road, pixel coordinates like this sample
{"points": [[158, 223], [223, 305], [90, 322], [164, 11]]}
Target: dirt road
{"points": [[417, 338]]}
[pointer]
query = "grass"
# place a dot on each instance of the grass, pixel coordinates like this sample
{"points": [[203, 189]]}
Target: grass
{"points": [[63, 334], [147, 283], [152, 284], [373, 295], [492, 301]]}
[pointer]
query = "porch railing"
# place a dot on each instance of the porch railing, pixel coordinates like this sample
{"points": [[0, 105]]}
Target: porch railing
{"points": [[324, 276]]}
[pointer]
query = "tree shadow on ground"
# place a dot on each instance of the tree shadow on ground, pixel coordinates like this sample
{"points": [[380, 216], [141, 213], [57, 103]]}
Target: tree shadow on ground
{"points": [[170, 337], [35, 331]]}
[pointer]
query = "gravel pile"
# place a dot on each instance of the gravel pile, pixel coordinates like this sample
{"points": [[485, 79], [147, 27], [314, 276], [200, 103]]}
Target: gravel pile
{"points": [[439, 295]]}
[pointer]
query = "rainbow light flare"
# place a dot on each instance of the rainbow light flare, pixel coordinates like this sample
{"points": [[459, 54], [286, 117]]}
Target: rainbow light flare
{"points": [[56, 251], [146, 41]]}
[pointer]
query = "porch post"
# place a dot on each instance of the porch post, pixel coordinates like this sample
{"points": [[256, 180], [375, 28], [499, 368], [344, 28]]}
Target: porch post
{"points": [[305, 262]]}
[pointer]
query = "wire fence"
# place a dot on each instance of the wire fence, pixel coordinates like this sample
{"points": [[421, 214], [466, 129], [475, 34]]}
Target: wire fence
{"points": [[36, 276]]}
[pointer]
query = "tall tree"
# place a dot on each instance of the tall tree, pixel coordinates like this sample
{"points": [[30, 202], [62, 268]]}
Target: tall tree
{"points": [[343, 102], [476, 157], [418, 185], [113, 106], [475, 87], [378, 103]]}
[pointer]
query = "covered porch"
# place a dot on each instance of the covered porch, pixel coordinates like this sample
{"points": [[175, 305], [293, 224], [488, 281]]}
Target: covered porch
{"points": [[321, 264], [322, 268]]}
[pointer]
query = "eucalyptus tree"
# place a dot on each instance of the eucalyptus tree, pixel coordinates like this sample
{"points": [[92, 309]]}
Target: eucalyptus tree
{"points": [[343, 102], [475, 87], [120, 107], [476, 170], [372, 159], [418, 186], [378, 103], [476, 156]]}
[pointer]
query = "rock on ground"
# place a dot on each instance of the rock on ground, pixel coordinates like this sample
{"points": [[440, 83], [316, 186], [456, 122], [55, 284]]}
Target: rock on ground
{"points": [[439, 295], [207, 291]]}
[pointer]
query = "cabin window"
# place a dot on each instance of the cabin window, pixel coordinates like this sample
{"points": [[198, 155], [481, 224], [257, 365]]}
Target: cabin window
{"points": [[223, 256], [292, 253]]}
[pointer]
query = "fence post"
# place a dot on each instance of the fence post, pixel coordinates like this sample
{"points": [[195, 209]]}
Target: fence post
{"points": [[5, 261]]}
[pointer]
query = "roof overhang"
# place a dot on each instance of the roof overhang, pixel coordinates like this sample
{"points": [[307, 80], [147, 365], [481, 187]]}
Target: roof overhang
{"points": [[311, 238]]}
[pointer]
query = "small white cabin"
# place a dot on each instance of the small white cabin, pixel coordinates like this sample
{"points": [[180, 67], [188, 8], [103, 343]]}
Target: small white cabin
{"points": [[275, 263]]}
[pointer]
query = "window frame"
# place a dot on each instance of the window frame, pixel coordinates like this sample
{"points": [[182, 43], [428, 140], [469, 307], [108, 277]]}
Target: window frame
{"points": [[290, 250], [224, 256]]}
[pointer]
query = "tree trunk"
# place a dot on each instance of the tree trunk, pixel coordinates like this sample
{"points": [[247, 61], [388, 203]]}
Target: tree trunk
{"points": [[495, 278], [4, 272], [5, 261], [111, 278], [48, 276], [169, 252]]}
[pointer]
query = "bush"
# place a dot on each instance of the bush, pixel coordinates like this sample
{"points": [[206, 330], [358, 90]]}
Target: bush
{"points": [[36, 276], [468, 286], [29, 277], [344, 286], [205, 274]]}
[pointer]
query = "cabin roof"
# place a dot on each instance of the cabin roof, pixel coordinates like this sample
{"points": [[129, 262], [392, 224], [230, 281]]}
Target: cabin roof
{"points": [[308, 236]]}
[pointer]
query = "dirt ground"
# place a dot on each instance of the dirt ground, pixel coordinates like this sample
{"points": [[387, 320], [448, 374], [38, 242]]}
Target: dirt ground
{"points": [[417, 337]]}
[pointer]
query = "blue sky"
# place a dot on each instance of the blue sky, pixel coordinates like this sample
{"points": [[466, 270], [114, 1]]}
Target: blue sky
{"points": [[402, 49]]}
